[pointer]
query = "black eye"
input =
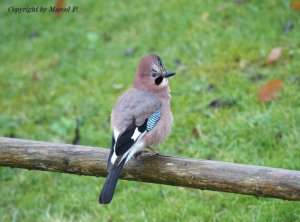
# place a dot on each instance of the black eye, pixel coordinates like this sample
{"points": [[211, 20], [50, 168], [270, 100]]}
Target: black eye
{"points": [[154, 74]]}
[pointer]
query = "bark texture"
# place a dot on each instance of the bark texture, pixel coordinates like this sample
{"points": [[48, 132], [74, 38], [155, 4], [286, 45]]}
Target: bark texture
{"points": [[176, 171]]}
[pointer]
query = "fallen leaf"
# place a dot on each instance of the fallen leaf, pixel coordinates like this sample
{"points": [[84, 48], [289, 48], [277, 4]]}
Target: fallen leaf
{"points": [[58, 5], [196, 132], [218, 103], [33, 35], [256, 77], [278, 135], [177, 62], [268, 91], [106, 37], [129, 52], [288, 26], [35, 76], [211, 87], [295, 5], [76, 140], [273, 56]]}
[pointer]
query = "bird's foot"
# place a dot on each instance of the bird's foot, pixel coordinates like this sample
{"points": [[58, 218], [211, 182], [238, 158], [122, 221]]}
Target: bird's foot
{"points": [[149, 151], [140, 153]]}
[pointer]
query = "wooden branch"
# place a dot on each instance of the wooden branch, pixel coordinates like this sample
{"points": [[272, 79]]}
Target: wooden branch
{"points": [[175, 171]]}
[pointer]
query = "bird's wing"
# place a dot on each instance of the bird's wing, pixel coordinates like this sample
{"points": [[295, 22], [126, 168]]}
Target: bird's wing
{"points": [[125, 144]]}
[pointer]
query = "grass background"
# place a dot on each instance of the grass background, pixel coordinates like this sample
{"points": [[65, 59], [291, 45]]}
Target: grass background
{"points": [[54, 70]]}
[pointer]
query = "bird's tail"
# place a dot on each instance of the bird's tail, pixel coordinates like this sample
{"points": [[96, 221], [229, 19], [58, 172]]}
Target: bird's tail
{"points": [[110, 184]]}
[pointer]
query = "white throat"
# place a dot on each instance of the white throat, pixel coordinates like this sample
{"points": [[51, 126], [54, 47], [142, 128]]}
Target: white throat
{"points": [[164, 83]]}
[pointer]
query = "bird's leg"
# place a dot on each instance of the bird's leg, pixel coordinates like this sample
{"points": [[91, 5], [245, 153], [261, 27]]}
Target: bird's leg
{"points": [[146, 151]]}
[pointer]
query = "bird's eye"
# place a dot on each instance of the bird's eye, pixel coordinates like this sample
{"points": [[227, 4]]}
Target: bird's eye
{"points": [[154, 74]]}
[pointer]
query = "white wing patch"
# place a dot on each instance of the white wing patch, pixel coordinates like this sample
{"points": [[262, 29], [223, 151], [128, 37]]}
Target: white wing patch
{"points": [[113, 157], [136, 134], [116, 133], [136, 137]]}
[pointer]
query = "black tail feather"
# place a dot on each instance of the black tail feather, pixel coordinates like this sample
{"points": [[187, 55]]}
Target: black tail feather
{"points": [[110, 184]]}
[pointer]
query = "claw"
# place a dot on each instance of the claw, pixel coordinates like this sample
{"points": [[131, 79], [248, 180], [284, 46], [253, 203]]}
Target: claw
{"points": [[139, 153], [151, 152], [154, 153]]}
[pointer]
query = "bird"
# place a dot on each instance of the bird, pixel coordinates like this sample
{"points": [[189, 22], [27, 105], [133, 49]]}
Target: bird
{"points": [[140, 119]]}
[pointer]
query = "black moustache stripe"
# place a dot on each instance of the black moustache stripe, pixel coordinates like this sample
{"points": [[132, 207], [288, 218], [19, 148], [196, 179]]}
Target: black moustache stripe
{"points": [[158, 80]]}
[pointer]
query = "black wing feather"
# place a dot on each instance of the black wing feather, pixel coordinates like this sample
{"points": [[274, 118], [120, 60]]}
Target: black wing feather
{"points": [[120, 145], [124, 141]]}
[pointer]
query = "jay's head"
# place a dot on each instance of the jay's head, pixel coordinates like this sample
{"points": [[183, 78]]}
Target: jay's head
{"points": [[151, 73]]}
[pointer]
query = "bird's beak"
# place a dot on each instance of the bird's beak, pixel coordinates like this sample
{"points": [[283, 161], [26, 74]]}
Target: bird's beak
{"points": [[169, 74]]}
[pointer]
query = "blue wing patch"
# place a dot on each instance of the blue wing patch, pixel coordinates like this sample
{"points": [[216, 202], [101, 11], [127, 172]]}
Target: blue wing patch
{"points": [[152, 120]]}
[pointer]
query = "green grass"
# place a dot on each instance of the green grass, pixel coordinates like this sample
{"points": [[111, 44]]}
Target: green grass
{"points": [[67, 70]]}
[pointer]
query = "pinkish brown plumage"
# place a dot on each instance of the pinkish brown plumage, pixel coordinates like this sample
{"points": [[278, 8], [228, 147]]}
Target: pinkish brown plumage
{"points": [[141, 118]]}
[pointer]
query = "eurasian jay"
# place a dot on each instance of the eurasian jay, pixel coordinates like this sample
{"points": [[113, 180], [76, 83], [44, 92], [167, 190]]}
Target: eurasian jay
{"points": [[141, 118]]}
